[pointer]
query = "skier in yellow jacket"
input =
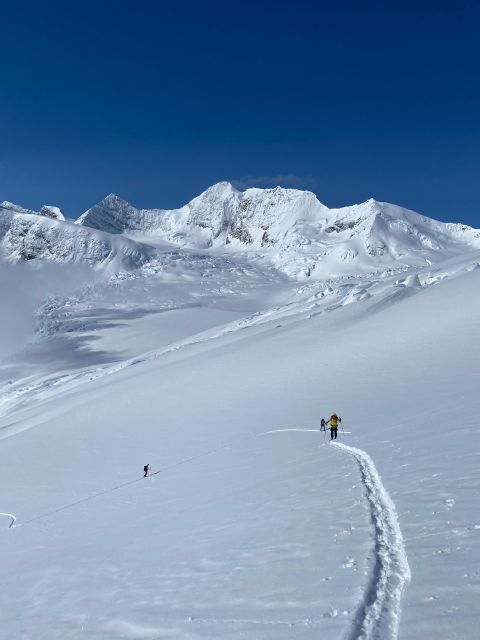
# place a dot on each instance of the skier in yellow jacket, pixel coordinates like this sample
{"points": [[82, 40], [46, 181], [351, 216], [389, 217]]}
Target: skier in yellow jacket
{"points": [[334, 421]]}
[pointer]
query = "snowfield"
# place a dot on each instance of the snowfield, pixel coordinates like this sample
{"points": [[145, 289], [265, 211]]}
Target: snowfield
{"points": [[143, 336]]}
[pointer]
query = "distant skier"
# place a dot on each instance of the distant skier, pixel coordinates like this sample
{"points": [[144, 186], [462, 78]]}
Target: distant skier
{"points": [[146, 469], [334, 420], [323, 425]]}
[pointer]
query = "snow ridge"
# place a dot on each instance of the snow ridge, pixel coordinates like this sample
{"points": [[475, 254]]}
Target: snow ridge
{"points": [[289, 229], [378, 616], [292, 229]]}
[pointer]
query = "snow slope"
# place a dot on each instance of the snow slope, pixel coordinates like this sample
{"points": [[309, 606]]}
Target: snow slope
{"points": [[216, 369]]}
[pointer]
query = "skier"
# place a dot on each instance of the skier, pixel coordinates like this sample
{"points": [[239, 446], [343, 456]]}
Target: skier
{"points": [[146, 469], [323, 425], [333, 420]]}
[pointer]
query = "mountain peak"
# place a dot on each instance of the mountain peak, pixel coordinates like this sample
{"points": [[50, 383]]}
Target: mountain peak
{"points": [[372, 205], [222, 189], [113, 200], [110, 214], [223, 184]]}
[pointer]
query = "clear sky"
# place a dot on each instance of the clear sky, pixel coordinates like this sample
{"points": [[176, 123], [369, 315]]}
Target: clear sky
{"points": [[156, 101]]}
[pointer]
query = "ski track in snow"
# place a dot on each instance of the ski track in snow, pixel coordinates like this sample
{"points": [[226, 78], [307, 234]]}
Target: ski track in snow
{"points": [[266, 433], [318, 430], [12, 518], [120, 486], [305, 622], [378, 615]]}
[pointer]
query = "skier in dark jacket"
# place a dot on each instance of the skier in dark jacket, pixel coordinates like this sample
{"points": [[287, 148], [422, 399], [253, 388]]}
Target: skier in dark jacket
{"points": [[323, 425], [146, 469]]}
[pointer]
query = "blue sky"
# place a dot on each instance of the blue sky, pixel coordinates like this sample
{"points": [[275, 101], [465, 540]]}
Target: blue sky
{"points": [[155, 101]]}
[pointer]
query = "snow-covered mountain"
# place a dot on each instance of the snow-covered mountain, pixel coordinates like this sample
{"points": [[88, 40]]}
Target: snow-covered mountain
{"points": [[291, 229], [27, 235], [47, 210], [186, 347]]}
